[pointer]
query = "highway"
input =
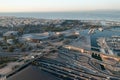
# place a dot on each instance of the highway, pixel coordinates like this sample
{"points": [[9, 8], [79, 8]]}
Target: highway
{"points": [[70, 70], [90, 62], [63, 69]]}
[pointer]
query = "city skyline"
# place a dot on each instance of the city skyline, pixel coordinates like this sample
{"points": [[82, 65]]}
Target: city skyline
{"points": [[57, 5]]}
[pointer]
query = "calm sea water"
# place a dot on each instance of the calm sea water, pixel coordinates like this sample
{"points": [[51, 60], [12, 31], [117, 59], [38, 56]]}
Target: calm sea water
{"points": [[94, 15]]}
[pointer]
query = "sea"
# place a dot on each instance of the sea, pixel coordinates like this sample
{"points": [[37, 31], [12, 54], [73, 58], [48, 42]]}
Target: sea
{"points": [[85, 15]]}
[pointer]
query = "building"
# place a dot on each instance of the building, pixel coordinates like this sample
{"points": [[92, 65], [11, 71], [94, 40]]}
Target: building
{"points": [[10, 33], [110, 45], [10, 41], [35, 37], [114, 44]]}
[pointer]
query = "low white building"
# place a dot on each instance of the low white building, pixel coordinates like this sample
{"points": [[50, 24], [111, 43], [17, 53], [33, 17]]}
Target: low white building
{"points": [[35, 37], [10, 41], [11, 33]]}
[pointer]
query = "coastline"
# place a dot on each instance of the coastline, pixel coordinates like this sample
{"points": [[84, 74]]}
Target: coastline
{"points": [[92, 15]]}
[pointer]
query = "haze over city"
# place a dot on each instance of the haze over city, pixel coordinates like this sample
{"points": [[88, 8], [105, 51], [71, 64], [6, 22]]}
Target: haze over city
{"points": [[59, 39], [57, 5]]}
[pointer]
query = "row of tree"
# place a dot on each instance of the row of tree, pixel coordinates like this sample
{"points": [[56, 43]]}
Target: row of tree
{"points": [[96, 56]]}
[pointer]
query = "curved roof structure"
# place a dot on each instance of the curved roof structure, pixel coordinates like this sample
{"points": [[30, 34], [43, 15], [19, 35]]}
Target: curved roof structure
{"points": [[38, 36]]}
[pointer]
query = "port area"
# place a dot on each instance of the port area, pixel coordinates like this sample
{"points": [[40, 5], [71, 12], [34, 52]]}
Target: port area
{"points": [[66, 54], [73, 62], [66, 60], [104, 48]]}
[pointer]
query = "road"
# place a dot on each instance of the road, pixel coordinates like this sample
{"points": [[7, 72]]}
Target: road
{"points": [[70, 70], [90, 62]]}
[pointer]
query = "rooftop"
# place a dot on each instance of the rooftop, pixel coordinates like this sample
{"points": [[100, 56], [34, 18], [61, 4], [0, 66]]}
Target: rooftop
{"points": [[36, 36]]}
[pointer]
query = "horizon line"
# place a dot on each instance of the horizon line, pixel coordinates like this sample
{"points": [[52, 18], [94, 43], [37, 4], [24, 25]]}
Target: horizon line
{"points": [[58, 11]]}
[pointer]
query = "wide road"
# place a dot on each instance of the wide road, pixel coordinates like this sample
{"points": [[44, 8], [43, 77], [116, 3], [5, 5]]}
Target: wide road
{"points": [[67, 67], [90, 59]]}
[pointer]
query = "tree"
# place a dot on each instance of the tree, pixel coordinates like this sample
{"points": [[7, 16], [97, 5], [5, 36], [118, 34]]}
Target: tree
{"points": [[96, 56], [11, 49], [5, 38]]}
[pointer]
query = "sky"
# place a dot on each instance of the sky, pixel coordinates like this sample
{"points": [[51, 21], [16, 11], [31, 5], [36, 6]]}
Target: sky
{"points": [[57, 5]]}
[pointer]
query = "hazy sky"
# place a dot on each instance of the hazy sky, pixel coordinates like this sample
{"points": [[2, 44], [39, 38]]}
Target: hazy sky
{"points": [[57, 5]]}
